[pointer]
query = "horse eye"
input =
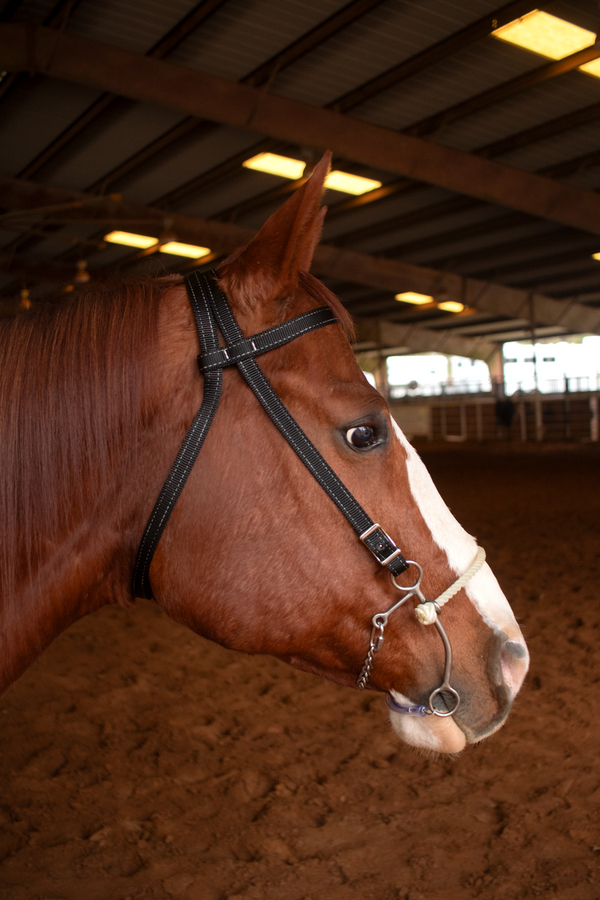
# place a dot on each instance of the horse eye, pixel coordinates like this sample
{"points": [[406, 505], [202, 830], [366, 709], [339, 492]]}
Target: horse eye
{"points": [[362, 436]]}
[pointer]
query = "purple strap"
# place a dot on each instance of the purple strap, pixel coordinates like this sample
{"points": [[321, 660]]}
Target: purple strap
{"points": [[406, 710]]}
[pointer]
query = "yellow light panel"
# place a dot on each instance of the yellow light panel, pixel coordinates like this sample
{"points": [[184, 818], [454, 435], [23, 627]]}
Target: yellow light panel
{"points": [[127, 239], [545, 34], [451, 306], [412, 297], [350, 184], [178, 249], [276, 165], [592, 68], [596, 256]]}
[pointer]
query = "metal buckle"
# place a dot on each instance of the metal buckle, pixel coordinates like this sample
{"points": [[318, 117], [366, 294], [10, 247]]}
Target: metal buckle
{"points": [[377, 527]]}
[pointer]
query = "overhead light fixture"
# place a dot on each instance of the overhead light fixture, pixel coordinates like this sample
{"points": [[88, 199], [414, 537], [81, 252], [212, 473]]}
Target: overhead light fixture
{"points": [[451, 306], [286, 167], [545, 34], [274, 164], [592, 68], [144, 242], [414, 298], [350, 184], [178, 249], [596, 256], [128, 239]]}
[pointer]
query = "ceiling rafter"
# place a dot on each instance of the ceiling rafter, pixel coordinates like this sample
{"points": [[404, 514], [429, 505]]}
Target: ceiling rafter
{"points": [[329, 261], [460, 40], [306, 44], [453, 205], [381, 334], [56, 18], [369, 330], [500, 259], [436, 123], [199, 14], [260, 76], [547, 262], [578, 282], [497, 148], [142, 78], [292, 53]]}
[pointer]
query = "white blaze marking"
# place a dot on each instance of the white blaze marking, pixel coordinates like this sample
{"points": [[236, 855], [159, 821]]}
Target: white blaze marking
{"points": [[483, 590], [433, 732]]}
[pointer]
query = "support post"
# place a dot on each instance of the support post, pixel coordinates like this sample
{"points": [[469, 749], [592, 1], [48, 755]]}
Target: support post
{"points": [[594, 417], [539, 420]]}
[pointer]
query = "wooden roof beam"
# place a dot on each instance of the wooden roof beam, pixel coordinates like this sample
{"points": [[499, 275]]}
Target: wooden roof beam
{"points": [[329, 261], [153, 81], [381, 334]]}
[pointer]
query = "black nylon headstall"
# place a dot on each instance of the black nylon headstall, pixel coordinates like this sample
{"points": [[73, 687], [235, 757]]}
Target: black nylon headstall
{"points": [[211, 309]]}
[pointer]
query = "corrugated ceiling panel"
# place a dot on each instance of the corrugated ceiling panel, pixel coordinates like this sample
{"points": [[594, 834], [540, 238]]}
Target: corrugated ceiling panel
{"points": [[67, 238], [568, 145], [471, 71], [372, 213], [380, 40], [239, 186], [242, 35], [108, 143], [391, 33], [443, 226], [134, 25], [33, 115], [539, 104], [192, 160]]}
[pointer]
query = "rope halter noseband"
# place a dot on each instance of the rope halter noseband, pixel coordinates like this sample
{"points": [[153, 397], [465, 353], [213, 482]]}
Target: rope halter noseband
{"points": [[427, 612]]}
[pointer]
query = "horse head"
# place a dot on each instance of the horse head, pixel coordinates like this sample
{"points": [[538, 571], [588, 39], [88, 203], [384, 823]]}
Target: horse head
{"points": [[258, 558]]}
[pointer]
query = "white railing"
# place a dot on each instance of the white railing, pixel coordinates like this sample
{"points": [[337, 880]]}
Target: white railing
{"points": [[572, 385], [441, 389]]}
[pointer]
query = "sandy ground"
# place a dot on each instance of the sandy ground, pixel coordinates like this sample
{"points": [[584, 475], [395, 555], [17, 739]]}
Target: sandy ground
{"points": [[139, 761]]}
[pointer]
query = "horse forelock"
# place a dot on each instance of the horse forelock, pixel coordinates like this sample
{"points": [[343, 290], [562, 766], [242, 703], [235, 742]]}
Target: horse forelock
{"points": [[71, 399]]}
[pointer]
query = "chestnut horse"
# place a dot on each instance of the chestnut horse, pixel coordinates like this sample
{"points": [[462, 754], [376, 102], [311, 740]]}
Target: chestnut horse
{"points": [[97, 394]]}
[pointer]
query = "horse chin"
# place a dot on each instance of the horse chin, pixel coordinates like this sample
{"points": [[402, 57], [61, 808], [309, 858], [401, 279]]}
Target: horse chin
{"points": [[433, 734]]}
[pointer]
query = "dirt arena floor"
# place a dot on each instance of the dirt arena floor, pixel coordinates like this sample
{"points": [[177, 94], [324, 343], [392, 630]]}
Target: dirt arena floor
{"points": [[139, 761]]}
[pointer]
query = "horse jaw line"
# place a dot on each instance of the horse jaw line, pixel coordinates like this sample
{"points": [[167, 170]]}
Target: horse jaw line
{"points": [[441, 735], [483, 590]]}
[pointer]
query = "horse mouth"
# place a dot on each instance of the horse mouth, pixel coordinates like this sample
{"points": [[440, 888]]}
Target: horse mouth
{"points": [[437, 734]]}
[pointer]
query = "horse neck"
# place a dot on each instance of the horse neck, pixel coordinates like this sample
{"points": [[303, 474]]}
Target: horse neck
{"points": [[72, 551]]}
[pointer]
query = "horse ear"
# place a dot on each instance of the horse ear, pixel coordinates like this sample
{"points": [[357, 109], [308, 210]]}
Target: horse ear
{"points": [[268, 267]]}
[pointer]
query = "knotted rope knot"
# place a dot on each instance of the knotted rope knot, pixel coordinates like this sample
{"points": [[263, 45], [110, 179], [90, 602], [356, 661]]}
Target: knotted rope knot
{"points": [[427, 612]]}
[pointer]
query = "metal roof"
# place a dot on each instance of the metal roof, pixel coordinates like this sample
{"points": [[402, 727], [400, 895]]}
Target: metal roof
{"points": [[426, 68]]}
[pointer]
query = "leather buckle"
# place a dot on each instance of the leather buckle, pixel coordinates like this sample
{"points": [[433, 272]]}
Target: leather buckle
{"points": [[379, 542]]}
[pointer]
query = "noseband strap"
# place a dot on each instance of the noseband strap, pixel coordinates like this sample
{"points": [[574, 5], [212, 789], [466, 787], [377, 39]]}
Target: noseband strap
{"points": [[211, 309]]}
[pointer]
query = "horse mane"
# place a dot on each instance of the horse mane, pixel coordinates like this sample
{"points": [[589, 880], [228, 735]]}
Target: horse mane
{"points": [[74, 376], [71, 389]]}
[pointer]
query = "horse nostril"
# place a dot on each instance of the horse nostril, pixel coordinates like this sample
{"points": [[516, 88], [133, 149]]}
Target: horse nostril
{"points": [[514, 664], [514, 649]]}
